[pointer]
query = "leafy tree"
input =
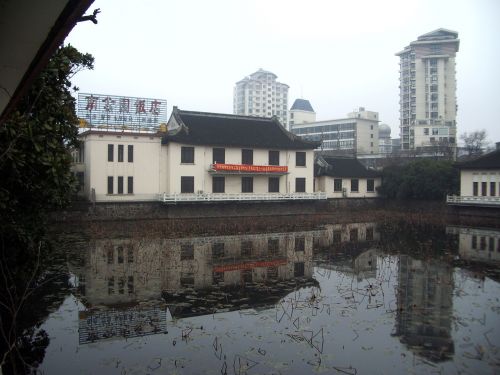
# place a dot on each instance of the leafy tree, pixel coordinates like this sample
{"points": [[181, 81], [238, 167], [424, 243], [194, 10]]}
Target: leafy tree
{"points": [[35, 179], [421, 179], [34, 141], [474, 142]]}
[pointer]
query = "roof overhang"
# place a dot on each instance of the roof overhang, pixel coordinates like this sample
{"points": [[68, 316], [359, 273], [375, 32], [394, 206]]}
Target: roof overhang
{"points": [[31, 32]]}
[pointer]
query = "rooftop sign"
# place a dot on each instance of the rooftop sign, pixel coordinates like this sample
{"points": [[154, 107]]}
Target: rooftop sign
{"points": [[97, 110]]}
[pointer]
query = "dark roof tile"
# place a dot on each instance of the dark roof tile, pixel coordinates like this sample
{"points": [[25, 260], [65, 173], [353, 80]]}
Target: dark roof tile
{"points": [[302, 105], [343, 167], [490, 160]]}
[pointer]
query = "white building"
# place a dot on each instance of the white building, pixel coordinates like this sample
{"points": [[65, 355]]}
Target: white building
{"points": [[357, 134], [203, 157], [479, 181], [345, 178], [428, 103], [301, 112], [261, 95]]}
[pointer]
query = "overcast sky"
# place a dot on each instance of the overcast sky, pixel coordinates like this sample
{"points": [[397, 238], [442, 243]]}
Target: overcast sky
{"points": [[337, 54]]}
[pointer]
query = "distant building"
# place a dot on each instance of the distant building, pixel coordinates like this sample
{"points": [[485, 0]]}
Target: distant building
{"points": [[428, 103], [301, 112], [261, 95], [357, 134], [384, 139]]}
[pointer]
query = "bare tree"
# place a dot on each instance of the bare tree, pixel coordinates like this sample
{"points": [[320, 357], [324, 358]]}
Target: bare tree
{"points": [[474, 142]]}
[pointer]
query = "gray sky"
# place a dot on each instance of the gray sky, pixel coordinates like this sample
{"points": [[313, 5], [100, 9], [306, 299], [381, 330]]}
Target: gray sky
{"points": [[337, 54]]}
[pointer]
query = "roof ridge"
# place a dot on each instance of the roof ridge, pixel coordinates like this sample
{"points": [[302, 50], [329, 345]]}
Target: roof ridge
{"points": [[224, 115]]}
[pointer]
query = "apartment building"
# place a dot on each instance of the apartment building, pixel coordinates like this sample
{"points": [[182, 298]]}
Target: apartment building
{"points": [[428, 103], [260, 94]]}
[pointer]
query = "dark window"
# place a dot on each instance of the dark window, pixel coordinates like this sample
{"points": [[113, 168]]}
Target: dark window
{"points": [[491, 244], [120, 153], [246, 248], [110, 152], [354, 184], [273, 246], [120, 184], [474, 242], [187, 155], [110, 184], [218, 250], [187, 184], [121, 285], [370, 185], [119, 251], [475, 189], [484, 186], [218, 184], [300, 185], [300, 159], [298, 269], [219, 155], [274, 185], [246, 276], [247, 184], [337, 236], [130, 284], [337, 184], [187, 251], [130, 185], [369, 234], [187, 279], [80, 178], [274, 158], [110, 254], [300, 243], [217, 278], [130, 153], [482, 243], [353, 234], [246, 156], [130, 254], [111, 285], [492, 189]]}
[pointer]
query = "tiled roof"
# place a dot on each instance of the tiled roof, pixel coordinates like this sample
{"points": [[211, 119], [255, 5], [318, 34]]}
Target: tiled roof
{"points": [[216, 129], [302, 105], [342, 167], [490, 160]]}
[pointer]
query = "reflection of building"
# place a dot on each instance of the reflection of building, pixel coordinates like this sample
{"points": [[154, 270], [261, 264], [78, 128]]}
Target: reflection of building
{"points": [[355, 135], [427, 98], [345, 178], [477, 244], [479, 181], [261, 95], [122, 273], [424, 307]]}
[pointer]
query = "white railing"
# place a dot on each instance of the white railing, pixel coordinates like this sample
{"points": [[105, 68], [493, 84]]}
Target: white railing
{"points": [[473, 201], [219, 197]]}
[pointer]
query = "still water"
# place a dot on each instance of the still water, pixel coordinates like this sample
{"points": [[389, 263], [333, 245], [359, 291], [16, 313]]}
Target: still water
{"points": [[358, 298]]}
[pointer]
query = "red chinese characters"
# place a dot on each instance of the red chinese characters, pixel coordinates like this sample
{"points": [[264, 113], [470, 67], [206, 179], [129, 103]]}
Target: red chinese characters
{"points": [[250, 168]]}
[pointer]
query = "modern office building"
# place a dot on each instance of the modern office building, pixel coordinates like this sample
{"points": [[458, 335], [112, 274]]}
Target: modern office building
{"points": [[357, 134], [261, 95], [301, 112], [428, 103]]}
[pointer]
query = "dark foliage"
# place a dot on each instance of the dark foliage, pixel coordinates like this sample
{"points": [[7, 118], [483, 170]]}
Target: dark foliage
{"points": [[422, 179]]}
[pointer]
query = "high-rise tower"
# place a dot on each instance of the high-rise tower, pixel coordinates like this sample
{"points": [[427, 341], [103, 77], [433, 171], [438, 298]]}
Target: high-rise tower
{"points": [[261, 95], [427, 96]]}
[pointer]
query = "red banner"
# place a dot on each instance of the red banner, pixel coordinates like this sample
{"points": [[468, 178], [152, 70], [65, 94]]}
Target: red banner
{"points": [[250, 265], [250, 168]]}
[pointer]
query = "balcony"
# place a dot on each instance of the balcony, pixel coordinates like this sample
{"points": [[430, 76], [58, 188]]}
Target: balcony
{"points": [[248, 169], [239, 197], [482, 201]]}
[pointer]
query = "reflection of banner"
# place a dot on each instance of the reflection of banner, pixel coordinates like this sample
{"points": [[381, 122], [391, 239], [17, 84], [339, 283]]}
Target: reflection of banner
{"points": [[112, 110], [99, 325], [250, 168], [250, 265]]}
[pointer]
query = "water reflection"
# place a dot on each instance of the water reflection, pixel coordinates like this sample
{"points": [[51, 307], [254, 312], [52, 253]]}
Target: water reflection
{"points": [[477, 244], [424, 307]]}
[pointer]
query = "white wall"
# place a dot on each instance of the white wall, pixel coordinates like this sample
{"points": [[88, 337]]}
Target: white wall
{"points": [[326, 184], [468, 177]]}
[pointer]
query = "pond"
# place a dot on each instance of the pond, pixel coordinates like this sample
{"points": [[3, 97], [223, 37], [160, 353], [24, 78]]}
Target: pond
{"points": [[356, 298]]}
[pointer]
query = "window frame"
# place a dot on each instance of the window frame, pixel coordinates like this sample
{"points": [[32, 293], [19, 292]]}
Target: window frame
{"points": [[187, 182], [299, 155], [355, 182], [247, 156], [120, 185], [111, 152], [274, 157], [300, 184], [218, 150], [336, 187], [273, 184], [370, 189], [247, 184], [110, 185], [130, 185], [187, 155], [130, 153], [121, 151], [218, 184]]}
